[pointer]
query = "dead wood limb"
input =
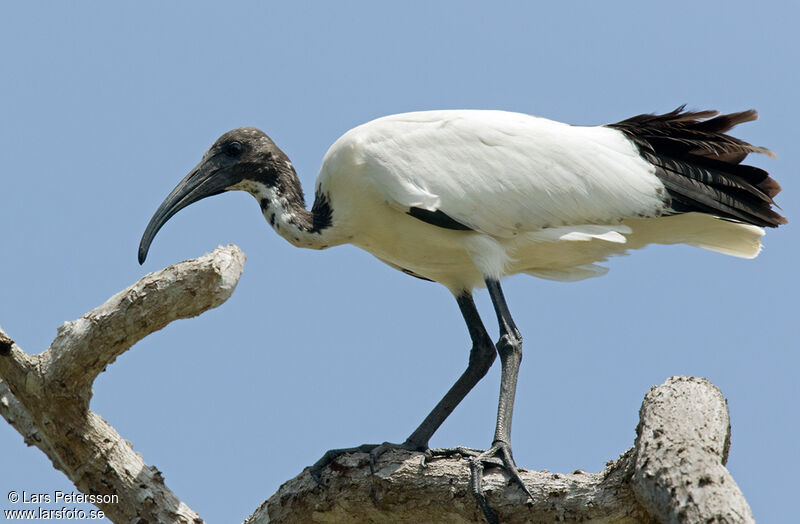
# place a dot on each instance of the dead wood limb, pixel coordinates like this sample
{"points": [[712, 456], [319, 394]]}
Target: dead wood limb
{"points": [[682, 444], [46, 396], [674, 473]]}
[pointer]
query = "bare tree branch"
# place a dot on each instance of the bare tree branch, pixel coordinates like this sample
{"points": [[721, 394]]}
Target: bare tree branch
{"points": [[674, 473], [84, 347], [46, 397], [682, 444], [687, 417], [17, 416]]}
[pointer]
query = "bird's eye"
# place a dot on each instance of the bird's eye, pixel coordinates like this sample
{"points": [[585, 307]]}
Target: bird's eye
{"points": [[233, 149]]}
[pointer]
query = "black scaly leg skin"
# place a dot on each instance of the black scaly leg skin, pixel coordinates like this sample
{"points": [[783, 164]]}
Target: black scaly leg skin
{"points": [[481, 358], [510, 349]]}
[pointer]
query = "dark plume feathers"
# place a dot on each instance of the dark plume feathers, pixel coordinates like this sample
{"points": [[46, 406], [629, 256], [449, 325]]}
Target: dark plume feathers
{"points": [[700, 164]]}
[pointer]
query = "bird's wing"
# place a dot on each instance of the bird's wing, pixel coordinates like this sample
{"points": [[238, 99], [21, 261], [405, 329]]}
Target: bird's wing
{"points": [[503, 173]]}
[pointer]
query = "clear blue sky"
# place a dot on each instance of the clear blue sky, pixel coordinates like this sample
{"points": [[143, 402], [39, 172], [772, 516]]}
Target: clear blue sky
{"points": [[106, 107]]}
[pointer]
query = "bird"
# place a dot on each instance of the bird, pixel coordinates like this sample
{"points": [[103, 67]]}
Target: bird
{"points": [[465, 198]]}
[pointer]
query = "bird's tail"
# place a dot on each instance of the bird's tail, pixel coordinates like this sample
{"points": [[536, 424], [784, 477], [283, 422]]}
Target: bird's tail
{"points": [[700, 164], [700, 230]]}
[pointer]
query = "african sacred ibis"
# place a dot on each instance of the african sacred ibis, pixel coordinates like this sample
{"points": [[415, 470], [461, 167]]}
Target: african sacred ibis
{"points": [[465, 198]]}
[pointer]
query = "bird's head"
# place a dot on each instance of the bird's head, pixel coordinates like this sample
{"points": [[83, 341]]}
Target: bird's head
{"points": [[238, 160]]}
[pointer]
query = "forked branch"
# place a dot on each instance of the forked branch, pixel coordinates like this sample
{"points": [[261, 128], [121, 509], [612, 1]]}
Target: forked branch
{"points": [[46, 396], [674, 473]]}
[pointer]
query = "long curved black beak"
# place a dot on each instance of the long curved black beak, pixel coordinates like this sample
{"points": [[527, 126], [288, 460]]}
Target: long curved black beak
{"points": [[205, 180]]}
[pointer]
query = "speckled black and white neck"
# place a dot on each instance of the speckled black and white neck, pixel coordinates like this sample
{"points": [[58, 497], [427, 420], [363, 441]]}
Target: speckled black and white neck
{"points": [[268, 175]]}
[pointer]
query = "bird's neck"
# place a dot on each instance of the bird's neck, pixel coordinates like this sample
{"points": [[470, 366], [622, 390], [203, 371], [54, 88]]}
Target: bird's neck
{"points": [[283, 205]]}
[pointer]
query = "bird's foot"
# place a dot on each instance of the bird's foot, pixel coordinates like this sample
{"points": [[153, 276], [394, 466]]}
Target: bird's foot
{"points": [[374, 450], [386, 446], [499, 455]]}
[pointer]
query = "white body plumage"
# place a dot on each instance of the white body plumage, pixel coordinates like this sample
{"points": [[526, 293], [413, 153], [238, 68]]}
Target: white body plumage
{"points": [[538, 196]]}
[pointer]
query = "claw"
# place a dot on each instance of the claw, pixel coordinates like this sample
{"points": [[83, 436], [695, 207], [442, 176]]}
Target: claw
{"points": [[476, 469], [427, 455], [332, 454], [374, 450], [498, 455], [505, 461]]}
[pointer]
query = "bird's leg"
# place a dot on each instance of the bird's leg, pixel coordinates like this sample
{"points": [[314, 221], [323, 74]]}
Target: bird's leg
{"points": [[510, 349], [481, 358]]}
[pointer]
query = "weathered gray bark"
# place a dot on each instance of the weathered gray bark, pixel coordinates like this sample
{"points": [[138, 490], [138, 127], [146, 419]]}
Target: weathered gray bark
{"points": [[674, 473], [46, 396], [682, 445]]}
